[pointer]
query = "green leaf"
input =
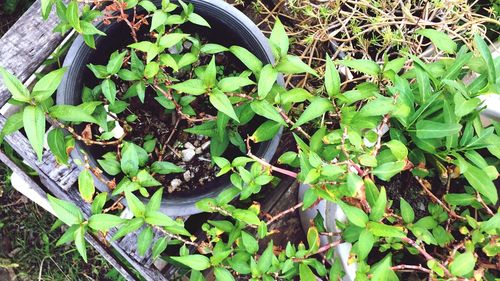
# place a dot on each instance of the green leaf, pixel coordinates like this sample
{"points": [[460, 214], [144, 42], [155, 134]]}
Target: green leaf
{"points": [[294, 65], [197, 19], [146, 180], [159, 246], [318, 107], [249, 242], [98, 203], [135, 205], [481, 182], [115, 62], [159, 18], [80, 242], [265, 109], [463, 264], [222, 274], [16, 88], [130, 161], [110, 166], [305, 273], [160, 219], [279, 39], [165, 168], [57, 145], [147, 47], [365, 244], [34, 126], [440, 39], [406, 211], [362, 65], [487, 57], [67, 212], [246, 216], [295, 95], [267, 77], [332, 78], [72, 16], [99, 71], [86, 185], [459, 199], [196, 262], [171, 39], [221, 102], [103, 222], [46, 7], [247, 58], [144, 240], [383, 230], [313, 239], [129, 227], [192, 86], [151, 69], [266, 131], [265, 260], [429, 129], [232, 84], [12, 124], [48, 84], [398, 149], [378, 209], [71, 113], [108, 88], [355, 216], [387, 170], [210, 74], [212, 48]]}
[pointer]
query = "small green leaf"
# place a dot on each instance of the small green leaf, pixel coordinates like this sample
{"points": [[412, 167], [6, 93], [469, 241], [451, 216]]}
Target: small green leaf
{"points": [[197, 19], [171, 39], [406, 211], [212, 48], [12, 124], [16, 88], [265, 109], [159, 18], [430, 129], [362, 65], [355, 216], [165, 168], [387, 170], [332, 78], [192, 86], [115, 62], [144, 240], [160, 219], [378, 209], [247, 58], [34, 126], [266, 131], [440, 39], [313, 239], [131, 226], [318, 107], [221, 102], [57, 145], [146, 180], [67, 212], [135, 205], [487, 57], [305, 273], [249, 242], [398, 149], [109, 90], [86, 185], [463, 264], [279, 39], [294, 65], [48, 84], [80, 241], [365, 244], [103, 222], [383, 230], [246, 216], [210, 74], [481, 182], [267, 77], [159, 246], [71, 113], [232, 84], [72, 16], [151, 69], [265, 260], [196, 262]]}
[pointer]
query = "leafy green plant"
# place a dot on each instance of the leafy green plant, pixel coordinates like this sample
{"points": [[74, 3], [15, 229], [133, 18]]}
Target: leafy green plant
{"points": [[410, 119]]}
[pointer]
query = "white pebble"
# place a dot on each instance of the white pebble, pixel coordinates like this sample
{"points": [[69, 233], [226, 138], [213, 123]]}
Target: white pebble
{"points": [[189, 145], [205, 145], [187, 154], [174, 184], [198, 150], [187, 175]]}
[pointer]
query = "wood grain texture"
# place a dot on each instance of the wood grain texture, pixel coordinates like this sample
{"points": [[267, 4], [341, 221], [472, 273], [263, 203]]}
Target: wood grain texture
{"points": [[26, 45]]}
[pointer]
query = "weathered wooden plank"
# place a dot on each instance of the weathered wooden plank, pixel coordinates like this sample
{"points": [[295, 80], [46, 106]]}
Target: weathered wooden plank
{"points": [[37, 194], [26, 45]]}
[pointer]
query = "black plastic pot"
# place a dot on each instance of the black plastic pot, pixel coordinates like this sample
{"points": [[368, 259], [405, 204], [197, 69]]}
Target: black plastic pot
{"points": [[229, 24]]}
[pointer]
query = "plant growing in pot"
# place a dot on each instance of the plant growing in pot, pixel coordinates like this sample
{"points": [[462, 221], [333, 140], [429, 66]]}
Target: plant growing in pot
{"points": [[408, 171]]}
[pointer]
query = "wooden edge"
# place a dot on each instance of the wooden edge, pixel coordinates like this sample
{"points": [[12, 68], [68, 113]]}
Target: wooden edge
{"points": [[29, 188]]}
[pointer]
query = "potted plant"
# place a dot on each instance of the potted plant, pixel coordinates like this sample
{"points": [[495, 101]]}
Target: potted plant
{"points": [[423, 144]]}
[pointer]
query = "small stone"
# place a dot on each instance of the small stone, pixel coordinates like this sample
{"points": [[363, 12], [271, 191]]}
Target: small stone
{"points": [[196, 143], [205, 145], [187, 175], [187, 154], [187, 44], [160, 264], [189, 145], [174, 184], [198, 150]]}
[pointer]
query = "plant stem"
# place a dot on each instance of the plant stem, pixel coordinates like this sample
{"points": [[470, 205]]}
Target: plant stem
{"points": [[285, 212], [424, 253], [265, 164]]}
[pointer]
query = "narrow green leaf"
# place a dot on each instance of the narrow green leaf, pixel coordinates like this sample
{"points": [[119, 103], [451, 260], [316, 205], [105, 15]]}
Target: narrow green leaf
{"points": [[406, 211], [279, 38], [427, 129], [48, 84], [481, 182], [196, 262], [463, 264], [247, 58], [221, 102], [440, 39], [86, 185], [67, 212], [265, 109], [362, 65], [355, 216], [488, 58], [80, 242], [164, 168], [249, 242], [192, 86], [232, 84], [135, 205], [109, 90], [332, 78], [16, 88], [34, 126], [268, 76], [144, 240], [103, 222], [159, 18], [222, 274], [387, 170], [318, 107], [72, 16], [115, 62]]}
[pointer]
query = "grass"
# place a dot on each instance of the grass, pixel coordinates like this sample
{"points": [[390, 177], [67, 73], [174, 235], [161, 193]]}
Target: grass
{"points": [[27, 244]]}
